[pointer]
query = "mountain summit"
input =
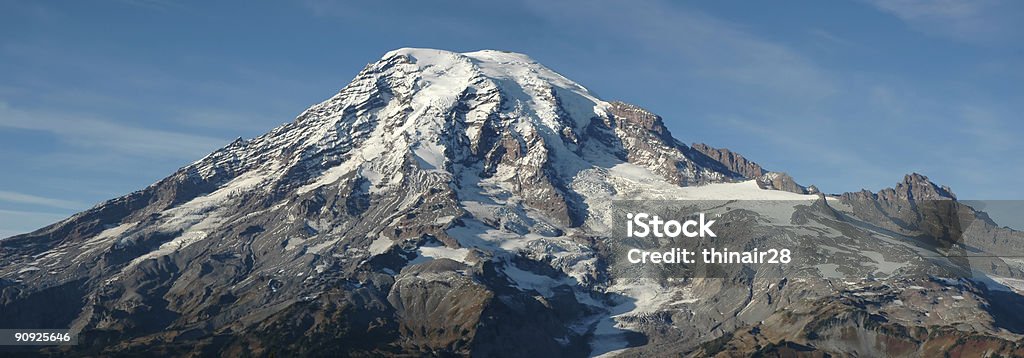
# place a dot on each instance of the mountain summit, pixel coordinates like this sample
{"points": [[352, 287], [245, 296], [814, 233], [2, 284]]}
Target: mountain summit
{"points": [[440, 203]]}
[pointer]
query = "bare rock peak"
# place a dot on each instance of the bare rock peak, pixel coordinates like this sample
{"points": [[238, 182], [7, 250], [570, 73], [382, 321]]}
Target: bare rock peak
{"points": [[914, 186], [733, 161], [784, 182]]}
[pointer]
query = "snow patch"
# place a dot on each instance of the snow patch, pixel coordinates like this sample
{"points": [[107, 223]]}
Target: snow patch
{"points": [[434, 252], [380, 245]]}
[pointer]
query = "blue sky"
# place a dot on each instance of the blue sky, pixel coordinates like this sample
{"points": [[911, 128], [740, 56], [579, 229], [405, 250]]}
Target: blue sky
{"points": [[101, 98]]}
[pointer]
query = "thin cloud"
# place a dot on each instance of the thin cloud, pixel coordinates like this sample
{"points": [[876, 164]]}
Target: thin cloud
{"points": [[703, 44], [18, 222], [821, 153], [827, 40], [21, 198], [94, 133], [980, 22], [986, 129]]}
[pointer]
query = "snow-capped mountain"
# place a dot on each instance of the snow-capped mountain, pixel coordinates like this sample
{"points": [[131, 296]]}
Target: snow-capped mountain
{"points": [[457, 203]]}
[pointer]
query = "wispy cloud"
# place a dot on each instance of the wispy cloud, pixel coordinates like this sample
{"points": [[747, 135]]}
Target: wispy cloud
{"points": [[86, 132], [703, 44], [978, 21], [821, 157], [829, 40], [110, 84], [985, 129], [18, 222], [22, 198]]}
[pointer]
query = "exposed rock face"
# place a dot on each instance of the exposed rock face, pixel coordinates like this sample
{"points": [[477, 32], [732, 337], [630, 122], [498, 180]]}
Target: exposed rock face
{"points": [[918, 187], [733, 161], [648, 143], [918, 207], [458, 204], [913, 187], [736, 163], [880, 319], [784, 182]]}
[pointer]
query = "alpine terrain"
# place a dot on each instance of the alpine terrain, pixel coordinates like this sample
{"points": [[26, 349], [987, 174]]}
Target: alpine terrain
{"points": [[461, 204]]}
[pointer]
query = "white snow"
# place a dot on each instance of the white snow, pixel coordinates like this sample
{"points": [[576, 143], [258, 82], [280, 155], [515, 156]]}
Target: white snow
{"points": [[434, 252], [530, 75], [430, 155], [747, 190], [881, 265], [28, 269], [169, 247], [380, 245], [330, 176], [998, 283], [829, 271], [193, 218], [647, 294], [103, 240]]}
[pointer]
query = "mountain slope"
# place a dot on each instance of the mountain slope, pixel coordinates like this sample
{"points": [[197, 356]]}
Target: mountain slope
{"points": [[440, 203]]}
